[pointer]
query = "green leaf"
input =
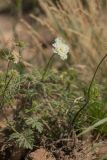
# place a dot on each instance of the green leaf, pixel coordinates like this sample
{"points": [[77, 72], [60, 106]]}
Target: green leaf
{"points": [[93, 126], [25, 139], [39, 127], [34, 123]]}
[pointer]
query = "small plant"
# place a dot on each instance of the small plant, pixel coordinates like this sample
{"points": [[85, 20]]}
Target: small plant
{"points": [[50, 104]]}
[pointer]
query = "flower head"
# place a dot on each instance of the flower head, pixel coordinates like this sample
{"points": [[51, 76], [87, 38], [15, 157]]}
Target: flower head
{"points": [[60, 48], [8, 54], [15, 57]]}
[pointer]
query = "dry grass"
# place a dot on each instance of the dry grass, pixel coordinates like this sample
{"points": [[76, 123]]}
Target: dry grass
{"points": [[84, 28]]}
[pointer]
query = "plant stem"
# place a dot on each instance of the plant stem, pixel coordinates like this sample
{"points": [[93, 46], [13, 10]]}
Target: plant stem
{"points": [[8, 65], [5, 85], [47, 66], [18, 14], [87, 99], [7, 121], [3, 96]]}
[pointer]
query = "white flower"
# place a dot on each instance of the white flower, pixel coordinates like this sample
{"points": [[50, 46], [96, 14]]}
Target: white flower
{"points": [[60, 48]]}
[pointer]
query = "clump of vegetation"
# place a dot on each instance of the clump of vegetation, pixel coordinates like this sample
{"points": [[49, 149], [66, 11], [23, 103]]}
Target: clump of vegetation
{"points": [[48, 105], [53, 107]]}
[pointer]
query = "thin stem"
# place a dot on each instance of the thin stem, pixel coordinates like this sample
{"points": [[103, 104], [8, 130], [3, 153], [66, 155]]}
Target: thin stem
{"points": [[8, 65], [19, 8], [88, 93], [47, 66], [5, 84], [3, 96], [18, 14], [7, 121]]}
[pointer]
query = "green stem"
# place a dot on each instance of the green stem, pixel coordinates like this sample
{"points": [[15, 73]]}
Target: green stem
{"points": [[19, 8], [5, 85], [88, 93], [18, 12], [3, 97], [7, 121], [47, 66], [8, 65]]}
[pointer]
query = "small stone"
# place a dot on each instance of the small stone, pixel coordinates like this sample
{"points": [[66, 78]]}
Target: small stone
{"points": [[41, 154]]}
